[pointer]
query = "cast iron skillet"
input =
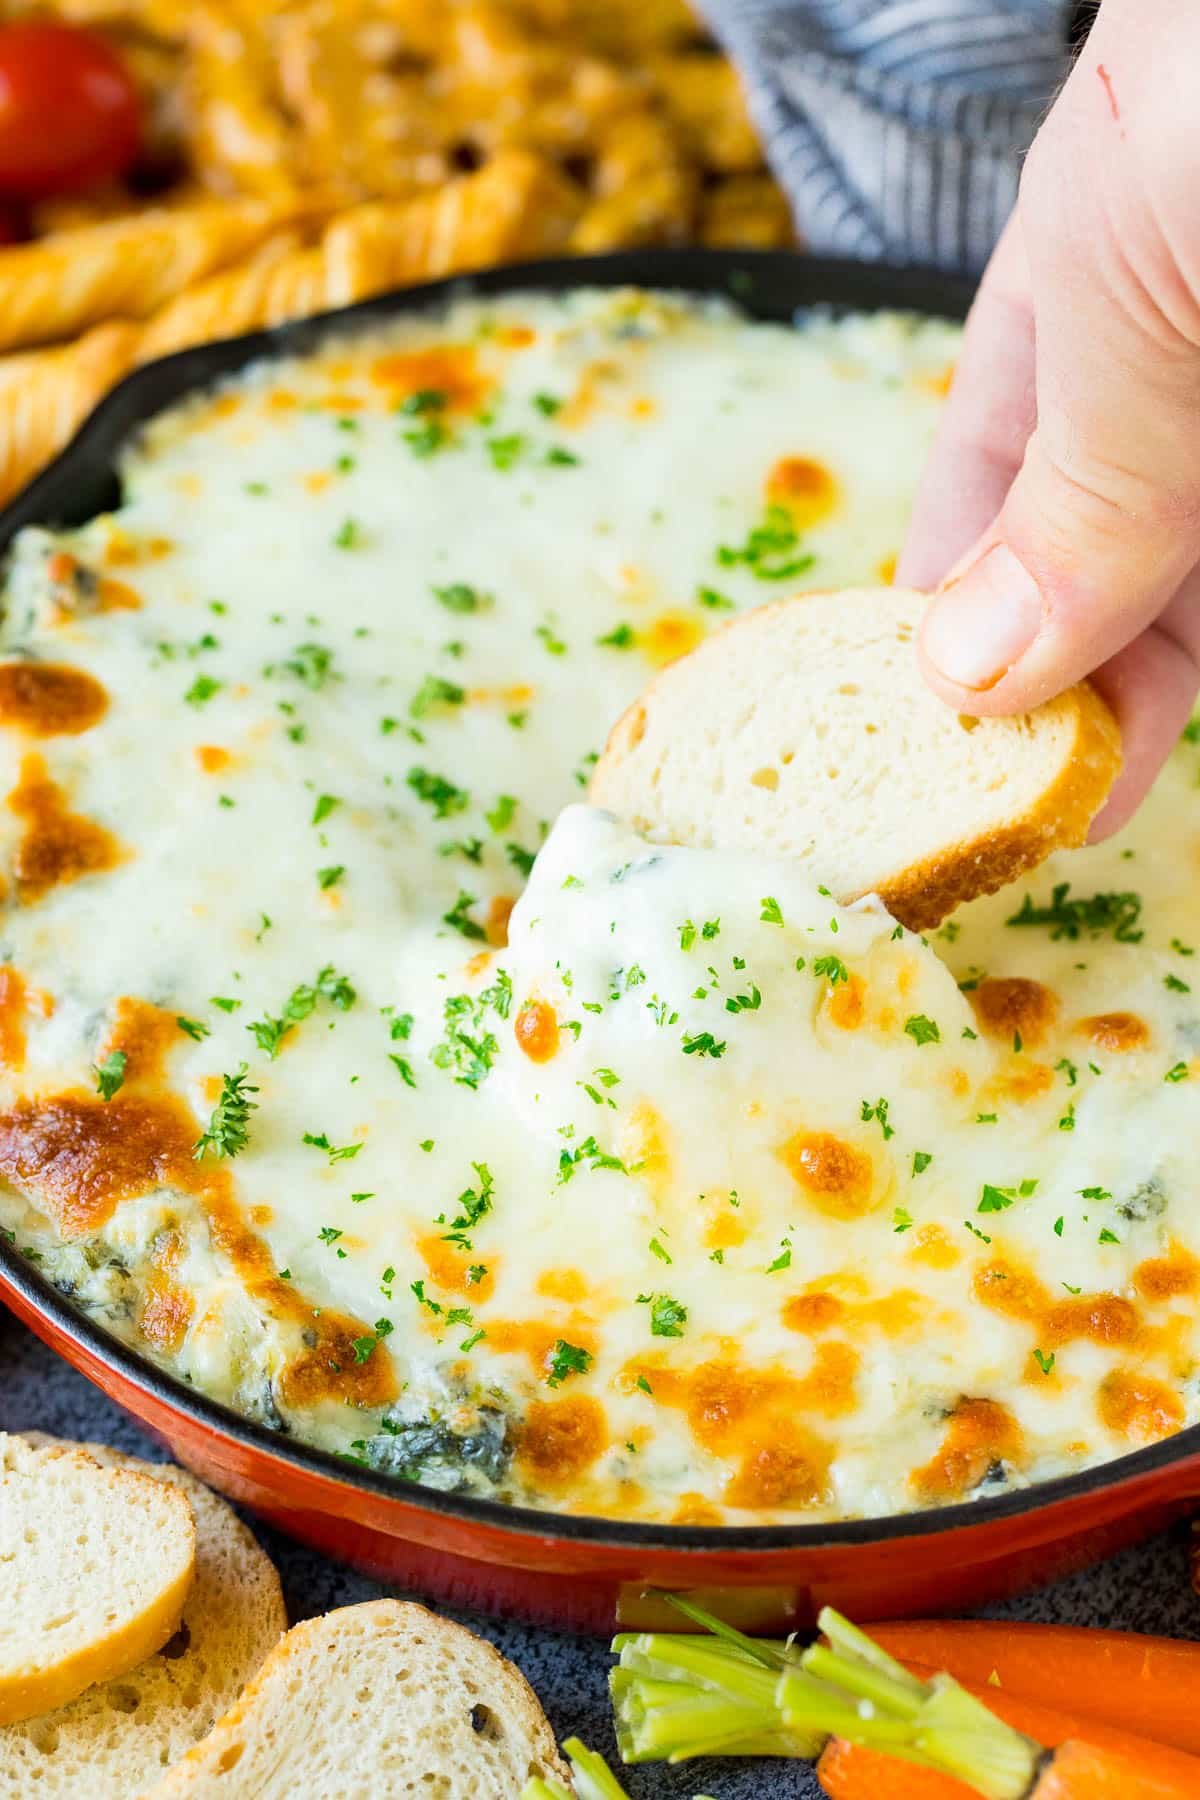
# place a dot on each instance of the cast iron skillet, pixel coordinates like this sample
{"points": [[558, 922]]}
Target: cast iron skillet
{"points": [[83, 481]]}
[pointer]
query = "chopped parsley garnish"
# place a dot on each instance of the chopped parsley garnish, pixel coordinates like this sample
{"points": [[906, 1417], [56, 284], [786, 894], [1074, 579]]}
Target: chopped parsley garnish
{"points": [[715, 601], [922, 1030], [1045, 1363], [329, 877], [547, 404], [468, 1050], [228, 1130], [460, 920], [427, 438], [226, 1005], [363, 1346], [772, 913], [549, 637], [1108, 1237], [702, 1043], [567, 1359], [404, 1069], [473, 1205], [667, 1317], [521, 859], [832, 967], [202, 690], [559, 457], [193, 1028], [460, 597], [596, 1158], [902, 1219], [310, 663], [435, 690], [621, 637], [349, 535], [319, 1140], [325, 804], [110, 1074], [500, 817], [1178, 1073], [687, 935], [437, 792], [505, 451], [1098, 913], [878, 1112], [921, 1161], [424, 401], [270, 1031], [471, 848], [1176, 986], [744, 1002], [998, 1199], [770, 549]]}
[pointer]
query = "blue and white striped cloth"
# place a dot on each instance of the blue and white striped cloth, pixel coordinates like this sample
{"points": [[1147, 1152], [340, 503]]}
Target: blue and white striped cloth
{"points": [[897, 127]]}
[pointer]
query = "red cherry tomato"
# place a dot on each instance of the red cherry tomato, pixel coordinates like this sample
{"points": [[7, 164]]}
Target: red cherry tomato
{"points": [[69, 113]]}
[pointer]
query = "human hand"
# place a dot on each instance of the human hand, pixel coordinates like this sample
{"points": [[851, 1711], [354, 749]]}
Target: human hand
{"points": [[1064, 484]]}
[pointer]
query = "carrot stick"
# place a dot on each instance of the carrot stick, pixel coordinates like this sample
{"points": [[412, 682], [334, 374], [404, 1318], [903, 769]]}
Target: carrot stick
{"points": [[1050, 1727], [1078, 1771], [848, 1772], [1147, 1685], [1085, 1772]]}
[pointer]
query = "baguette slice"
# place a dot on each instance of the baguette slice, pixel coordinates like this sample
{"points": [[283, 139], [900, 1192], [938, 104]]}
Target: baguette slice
{"points": [[805, 730], [370, 1702], [118, 1737], [96, 1566]]}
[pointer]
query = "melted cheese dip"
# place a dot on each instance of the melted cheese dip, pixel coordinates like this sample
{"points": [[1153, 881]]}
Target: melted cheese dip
{"points": [[682, 1193]]}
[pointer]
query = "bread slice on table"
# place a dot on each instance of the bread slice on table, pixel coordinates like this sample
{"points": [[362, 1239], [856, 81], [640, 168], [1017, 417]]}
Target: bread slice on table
{"points": [[119, 1736], [373, 1702], [804, 729], [96, 1566]]}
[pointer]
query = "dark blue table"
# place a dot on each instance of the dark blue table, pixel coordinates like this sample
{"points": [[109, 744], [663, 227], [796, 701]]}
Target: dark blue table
{"points": [[1145, 1589]]}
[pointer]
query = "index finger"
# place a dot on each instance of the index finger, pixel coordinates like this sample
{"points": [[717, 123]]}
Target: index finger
{"points": [[989, 415]]}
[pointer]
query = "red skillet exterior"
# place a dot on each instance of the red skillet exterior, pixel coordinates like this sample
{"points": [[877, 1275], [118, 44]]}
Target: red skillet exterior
{"points": [[594, 1578], [586, 1574]]}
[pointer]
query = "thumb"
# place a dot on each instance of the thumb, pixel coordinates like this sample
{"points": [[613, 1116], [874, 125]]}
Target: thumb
{"points": [[1102, 523]]}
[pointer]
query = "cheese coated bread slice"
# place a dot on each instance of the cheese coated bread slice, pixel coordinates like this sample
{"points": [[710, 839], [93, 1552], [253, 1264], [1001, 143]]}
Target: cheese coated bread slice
{"points": [[95, 1565], [805, 730], [119, 1736], [371, 1702]]}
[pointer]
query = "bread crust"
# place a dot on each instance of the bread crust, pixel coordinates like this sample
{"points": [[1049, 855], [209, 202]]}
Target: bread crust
{"points": [[922, 894], [26, 1693], [194, 1772]]}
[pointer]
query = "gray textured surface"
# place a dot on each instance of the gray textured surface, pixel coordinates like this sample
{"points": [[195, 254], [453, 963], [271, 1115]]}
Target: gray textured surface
{"points": [[1145, 1589]]}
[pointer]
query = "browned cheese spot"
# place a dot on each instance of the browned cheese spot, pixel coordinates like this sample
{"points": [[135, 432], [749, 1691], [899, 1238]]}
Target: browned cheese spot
{"points": [[1010, 1006], [978, 1433], [57, 846], [12, 1019], [1137, 1407], [1117, 1032], [559, 1439], [49, 699], [835, 1175], [536, 1030]]}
